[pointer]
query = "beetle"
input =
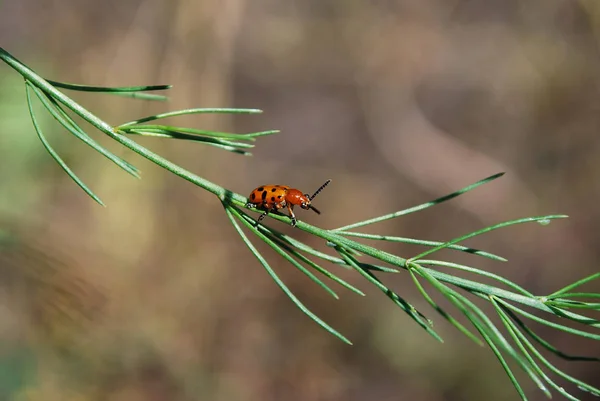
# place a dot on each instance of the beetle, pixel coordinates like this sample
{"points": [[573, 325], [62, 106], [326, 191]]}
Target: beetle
{"points": [[271, 198]]}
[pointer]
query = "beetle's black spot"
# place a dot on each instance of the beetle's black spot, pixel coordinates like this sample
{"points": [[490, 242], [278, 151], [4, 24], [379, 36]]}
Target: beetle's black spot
{"points": [[273, 189], [252, 196], [279, 197], [264, 195], [260, 189], [272, 199]]}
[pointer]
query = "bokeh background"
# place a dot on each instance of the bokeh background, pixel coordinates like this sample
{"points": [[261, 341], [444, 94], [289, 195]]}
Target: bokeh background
{"points": [[155, 297]]}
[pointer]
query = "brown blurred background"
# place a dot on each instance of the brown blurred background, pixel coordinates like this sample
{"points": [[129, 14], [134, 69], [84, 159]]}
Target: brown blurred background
{"points": [[156, 297]]}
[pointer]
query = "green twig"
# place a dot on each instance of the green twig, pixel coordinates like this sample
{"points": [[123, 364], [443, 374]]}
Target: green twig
{"points": [[509, 305]]}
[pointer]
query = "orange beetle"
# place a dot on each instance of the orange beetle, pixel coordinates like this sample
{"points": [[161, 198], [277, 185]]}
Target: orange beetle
{"points": [[271, 198]]}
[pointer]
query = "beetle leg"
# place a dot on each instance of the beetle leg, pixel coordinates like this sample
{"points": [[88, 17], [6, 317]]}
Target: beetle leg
{"points": [[262, 216], [292, 215], [265, 213]]}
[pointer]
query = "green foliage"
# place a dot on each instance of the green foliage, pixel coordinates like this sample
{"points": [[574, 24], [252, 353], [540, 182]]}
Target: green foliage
{"points": [[512, 341]]}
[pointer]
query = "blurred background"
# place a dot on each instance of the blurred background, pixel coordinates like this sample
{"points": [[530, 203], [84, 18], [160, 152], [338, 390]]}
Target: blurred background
{"points": [[155, 297]]}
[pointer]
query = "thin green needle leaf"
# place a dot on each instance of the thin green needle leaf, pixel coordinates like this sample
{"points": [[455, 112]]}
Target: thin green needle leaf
{"points": [[339, 240], [520, 340], [191, 111], [422, 206], [489, 332], [222, 144], [251, 136], [66, 121], [309, 262], [209, 143], [477, 318], [403, 304], [545, 343], [567, 303], [203, 140], [286, 256], [488, 327], [486, 230], [574, 285], [504, 364], [262, 133], [309, 250], [296, 264], [579, 383], [305, 248], [580, 319], [421, 242], [350, 250], [292, 242], [54, 155], [142, 96], [483, 290], [587, 388], [135, 92], [191, 131], [452, 297], [124, 164], [350, 246], [371, 267], [88, 88], [549, 323], [166, 133], [228, 148], [579, 295], [484, 273], [524, 363], [322, 270], [276, 278], [442, 312]]}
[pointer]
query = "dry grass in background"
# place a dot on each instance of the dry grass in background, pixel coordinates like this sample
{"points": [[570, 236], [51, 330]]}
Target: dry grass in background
{"points": [[397, 102]]}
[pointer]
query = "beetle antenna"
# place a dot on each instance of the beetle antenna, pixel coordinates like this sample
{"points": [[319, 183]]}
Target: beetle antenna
{"points": [[314, 209], [320, 189]]}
